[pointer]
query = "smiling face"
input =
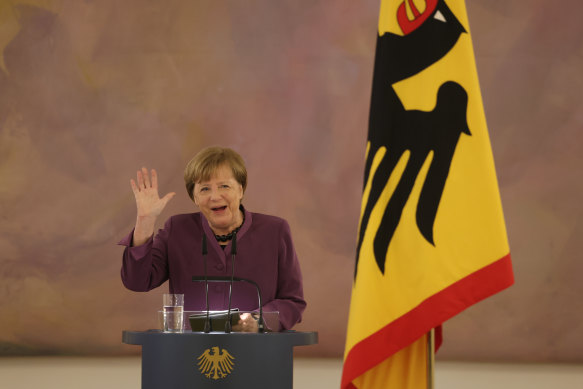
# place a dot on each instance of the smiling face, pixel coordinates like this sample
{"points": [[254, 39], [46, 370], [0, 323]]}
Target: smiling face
{"points": [[219, 199]]}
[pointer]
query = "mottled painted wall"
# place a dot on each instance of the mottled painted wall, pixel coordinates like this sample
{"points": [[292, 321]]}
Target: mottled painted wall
{"points": [[92, 90]]}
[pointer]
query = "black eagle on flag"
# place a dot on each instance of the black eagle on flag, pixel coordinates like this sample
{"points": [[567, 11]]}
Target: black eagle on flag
{"points": [[428, 39]]}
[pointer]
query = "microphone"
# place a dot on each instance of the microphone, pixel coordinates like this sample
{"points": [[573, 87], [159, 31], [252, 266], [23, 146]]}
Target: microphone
{"points": [[261, 321], [234, 244], [233, 254], [207, 322]]}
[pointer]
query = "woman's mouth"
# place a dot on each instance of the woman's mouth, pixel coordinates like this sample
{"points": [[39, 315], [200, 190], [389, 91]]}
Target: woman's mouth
{"points": [[219, 209]]}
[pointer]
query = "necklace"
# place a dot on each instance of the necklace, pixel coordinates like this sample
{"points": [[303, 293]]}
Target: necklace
{"points": [[229, 236]]}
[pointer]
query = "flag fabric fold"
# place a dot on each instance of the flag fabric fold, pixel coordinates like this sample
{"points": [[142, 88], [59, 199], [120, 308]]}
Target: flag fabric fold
{"points": [[432, 239]]}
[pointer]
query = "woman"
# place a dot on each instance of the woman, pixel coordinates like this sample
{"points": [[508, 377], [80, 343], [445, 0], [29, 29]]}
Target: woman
{"points": [[216, 179]]}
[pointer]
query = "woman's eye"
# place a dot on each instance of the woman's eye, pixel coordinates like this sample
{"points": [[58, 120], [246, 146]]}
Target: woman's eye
{"points": [[204, 189]]}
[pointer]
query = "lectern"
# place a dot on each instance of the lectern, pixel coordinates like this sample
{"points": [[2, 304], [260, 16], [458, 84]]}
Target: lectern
{"points": [[217, 360]]}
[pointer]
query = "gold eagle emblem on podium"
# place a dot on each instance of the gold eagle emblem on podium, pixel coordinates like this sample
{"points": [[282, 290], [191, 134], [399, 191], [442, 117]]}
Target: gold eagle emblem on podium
{"points": [[215, 363]]}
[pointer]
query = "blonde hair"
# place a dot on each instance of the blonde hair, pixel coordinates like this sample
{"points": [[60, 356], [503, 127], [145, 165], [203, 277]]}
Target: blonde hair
{"points": [[207, 161]]}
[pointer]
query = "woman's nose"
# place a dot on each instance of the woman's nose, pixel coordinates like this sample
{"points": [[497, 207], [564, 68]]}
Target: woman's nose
{"points": [[214, 194]]}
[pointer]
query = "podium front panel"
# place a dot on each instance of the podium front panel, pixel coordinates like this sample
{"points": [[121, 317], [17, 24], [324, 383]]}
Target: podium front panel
{"points": [[217, 360]]}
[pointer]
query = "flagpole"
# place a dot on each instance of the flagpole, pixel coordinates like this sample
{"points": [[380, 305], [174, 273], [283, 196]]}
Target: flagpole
{"points": [[430, 358]]}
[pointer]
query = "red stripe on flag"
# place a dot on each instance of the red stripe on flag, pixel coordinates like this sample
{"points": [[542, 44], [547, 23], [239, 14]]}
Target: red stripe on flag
{"points": [[431, 313]]}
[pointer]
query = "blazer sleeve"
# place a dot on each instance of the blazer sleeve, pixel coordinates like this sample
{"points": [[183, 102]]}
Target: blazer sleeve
{"points": [[145, 267], [289, 299]]}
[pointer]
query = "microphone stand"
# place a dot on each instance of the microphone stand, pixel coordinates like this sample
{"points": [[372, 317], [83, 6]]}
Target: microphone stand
{"points": [[261, 321], [207, 322], [233, 254]]}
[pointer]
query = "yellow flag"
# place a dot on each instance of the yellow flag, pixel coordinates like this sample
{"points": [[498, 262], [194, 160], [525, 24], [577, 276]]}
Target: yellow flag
{"points": [[432, 239]]}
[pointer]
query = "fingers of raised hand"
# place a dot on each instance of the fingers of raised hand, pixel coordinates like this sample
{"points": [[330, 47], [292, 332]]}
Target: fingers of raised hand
{"points": [[168, 197], [154, 178], [146, 176], [134, 186], [144, 181]]}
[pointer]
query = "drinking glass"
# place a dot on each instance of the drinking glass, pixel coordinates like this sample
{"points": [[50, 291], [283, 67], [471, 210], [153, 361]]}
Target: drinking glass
{"points": [[173, 311]]}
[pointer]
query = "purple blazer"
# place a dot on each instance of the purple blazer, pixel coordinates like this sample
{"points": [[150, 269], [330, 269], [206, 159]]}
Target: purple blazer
{"points": [[265, 254]]}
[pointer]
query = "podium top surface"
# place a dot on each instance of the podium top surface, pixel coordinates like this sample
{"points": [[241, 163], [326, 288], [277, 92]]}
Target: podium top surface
{"points": [[291, 338]]}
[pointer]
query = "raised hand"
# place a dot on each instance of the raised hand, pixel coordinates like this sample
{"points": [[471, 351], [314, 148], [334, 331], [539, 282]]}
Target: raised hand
{"points": [[148, 203]]}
